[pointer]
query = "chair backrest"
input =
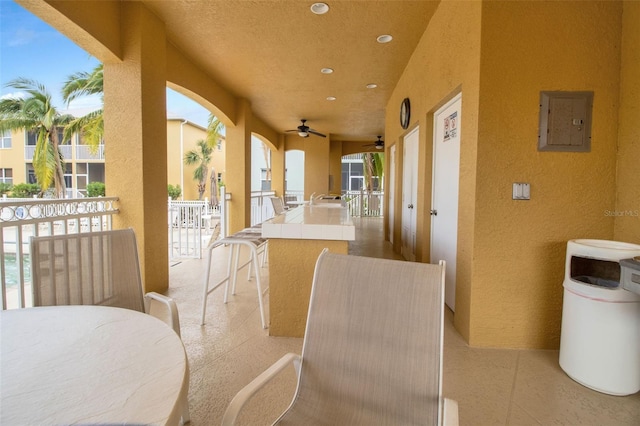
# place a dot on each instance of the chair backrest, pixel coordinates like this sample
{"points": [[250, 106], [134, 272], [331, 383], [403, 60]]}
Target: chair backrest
{"points": [[372, 351], [278, 205], [96, 268]]}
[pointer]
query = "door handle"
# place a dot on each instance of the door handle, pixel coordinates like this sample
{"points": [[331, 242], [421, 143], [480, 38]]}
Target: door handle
{"points": [[434, 212], [410, 206]]}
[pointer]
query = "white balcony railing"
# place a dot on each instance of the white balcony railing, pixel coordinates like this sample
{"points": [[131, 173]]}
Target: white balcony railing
{"points": [[84, 152], [364, 203], [22, 218], [261, 207]]}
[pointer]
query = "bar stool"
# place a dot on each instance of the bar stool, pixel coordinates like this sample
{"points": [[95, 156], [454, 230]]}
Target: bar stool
{"points": [[251, 238]]}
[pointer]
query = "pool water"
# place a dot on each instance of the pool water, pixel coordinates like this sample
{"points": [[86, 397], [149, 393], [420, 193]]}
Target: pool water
{"points": [[11, 269]]}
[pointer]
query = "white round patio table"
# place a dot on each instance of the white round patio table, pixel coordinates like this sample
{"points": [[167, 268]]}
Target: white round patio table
{"points": [[89, 365]]}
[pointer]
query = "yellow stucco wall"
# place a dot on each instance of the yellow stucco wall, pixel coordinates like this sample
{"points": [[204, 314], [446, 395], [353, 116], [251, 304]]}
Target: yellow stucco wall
{"points": [[13, 158], [445, 62], [135, 122], [510, 260], [627, 210], [316, 165], [191, 134], [519, 252], [238, 177], [291, 267]]}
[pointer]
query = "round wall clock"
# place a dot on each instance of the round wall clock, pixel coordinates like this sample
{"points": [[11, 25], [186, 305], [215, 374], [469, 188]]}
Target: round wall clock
{"points": [[405, 113]]}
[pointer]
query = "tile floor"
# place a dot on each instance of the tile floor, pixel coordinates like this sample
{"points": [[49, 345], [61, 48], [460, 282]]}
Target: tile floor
{"points": [[492, 386]]}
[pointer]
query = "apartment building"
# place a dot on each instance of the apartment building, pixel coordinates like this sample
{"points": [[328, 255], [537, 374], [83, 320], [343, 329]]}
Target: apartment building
{"points": [[84, 165]]}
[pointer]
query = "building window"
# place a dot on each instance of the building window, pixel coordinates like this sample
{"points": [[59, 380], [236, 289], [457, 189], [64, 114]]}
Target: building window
{"points": [[219, 144], [31, 174], [32, 137], [6, 176], [5, 140], [265, 185], [352, 176]]}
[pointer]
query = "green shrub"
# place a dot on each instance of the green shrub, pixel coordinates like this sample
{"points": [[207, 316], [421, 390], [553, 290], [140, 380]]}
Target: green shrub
{"points": [[174, 191], [25, 190], [5, 188], [95, 189]]}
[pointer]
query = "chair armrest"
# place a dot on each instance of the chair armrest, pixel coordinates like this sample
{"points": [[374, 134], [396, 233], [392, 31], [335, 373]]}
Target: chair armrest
{"points": [[450, 412], [256, 384], [173, 319]]}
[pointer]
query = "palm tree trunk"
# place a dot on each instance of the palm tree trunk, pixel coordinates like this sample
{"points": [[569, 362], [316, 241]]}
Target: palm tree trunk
{"points": [[58, 177]]}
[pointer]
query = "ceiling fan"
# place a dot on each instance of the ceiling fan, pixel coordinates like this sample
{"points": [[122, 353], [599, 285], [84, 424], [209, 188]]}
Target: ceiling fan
{"points": [[304, 131], [379, 144]]}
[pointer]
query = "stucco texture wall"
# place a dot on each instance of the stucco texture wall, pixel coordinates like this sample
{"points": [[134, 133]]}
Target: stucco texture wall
{"points": [[13, 158], [627, 211], [519, 252], [445, 62], [175, 157], [500, 55]]}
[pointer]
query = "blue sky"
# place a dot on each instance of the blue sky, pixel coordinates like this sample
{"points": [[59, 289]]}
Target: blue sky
{"points": [[32, 49]]}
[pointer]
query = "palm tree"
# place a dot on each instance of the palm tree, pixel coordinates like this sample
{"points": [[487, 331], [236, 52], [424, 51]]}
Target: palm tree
{"points": [[214, 133], [214, 130], [203, 157], [373, 167], [36, 113], [90, 126]]}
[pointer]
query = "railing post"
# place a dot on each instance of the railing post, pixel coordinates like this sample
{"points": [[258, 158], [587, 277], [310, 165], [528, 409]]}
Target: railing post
{"points": [[223, 212]]}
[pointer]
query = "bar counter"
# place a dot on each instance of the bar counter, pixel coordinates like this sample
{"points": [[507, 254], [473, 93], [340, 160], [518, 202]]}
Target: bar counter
{"points": [[296, 239]]}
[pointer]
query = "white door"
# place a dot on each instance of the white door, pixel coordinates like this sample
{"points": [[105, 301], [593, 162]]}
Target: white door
{"points": [[444, 202], [392, 190], [409, 194]]}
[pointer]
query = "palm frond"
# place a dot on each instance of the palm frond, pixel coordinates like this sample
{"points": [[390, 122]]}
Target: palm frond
{"points": [[214, 130], [84, 84]]}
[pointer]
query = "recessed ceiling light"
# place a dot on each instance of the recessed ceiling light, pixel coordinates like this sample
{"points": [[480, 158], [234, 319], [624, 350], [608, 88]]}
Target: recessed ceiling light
{"points": [[331, 98], [319, 8], [326, 70], [385, 38], [372, 86]]}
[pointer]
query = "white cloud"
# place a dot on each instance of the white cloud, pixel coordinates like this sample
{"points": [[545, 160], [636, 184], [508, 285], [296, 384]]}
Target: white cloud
{"points": [[92, 102], [22, 37], [14, 95]]}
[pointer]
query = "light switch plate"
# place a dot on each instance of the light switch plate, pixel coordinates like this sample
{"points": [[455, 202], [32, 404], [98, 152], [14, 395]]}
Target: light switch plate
{"points": [[521, 191]]}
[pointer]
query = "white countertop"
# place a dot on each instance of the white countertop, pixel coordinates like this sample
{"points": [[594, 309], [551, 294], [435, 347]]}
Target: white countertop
{"points": [[312, 222]]}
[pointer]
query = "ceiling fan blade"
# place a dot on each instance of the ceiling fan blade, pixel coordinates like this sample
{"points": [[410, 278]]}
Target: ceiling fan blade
{"points": [[313, 132]]}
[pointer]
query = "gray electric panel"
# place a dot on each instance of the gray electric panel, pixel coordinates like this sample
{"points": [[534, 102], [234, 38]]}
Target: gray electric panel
{"points": [[565, 121]]}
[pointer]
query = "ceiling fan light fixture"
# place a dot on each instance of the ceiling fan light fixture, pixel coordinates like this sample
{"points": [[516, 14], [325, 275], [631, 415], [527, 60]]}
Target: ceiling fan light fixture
{"points": [[319, 8], [379, 146], [303, 134], [384, 38], [371, 86], [326, 70]]}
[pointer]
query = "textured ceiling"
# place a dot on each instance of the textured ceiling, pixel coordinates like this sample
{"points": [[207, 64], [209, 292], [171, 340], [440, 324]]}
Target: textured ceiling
{"points": [[271, 53]]}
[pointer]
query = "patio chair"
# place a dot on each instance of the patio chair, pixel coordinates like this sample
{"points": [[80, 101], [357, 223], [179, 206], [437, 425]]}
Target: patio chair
{"points": [[372, 350], [250, 238], [278, 205], [95, 268]]}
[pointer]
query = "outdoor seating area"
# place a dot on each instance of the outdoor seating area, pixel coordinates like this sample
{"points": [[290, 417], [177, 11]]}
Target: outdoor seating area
{"points": [[211, 363], [491, 386]]}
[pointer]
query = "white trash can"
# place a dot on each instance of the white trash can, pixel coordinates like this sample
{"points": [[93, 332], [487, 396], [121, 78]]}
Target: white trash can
{"points": [[600, 337]]}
